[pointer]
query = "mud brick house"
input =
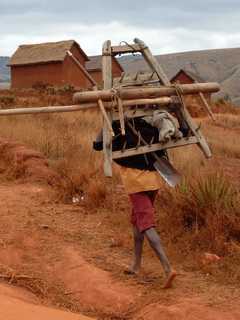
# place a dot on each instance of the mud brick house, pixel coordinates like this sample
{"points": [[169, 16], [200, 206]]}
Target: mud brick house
{"points": [[94, 68], [48, 63], [186, 76]]}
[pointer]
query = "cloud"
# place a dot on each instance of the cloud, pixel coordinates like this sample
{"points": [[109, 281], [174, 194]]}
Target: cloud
{"points": [[167, 26]]}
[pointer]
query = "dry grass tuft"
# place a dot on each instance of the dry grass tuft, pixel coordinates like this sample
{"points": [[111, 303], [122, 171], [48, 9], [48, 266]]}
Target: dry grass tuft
{"points": [[213, 191]]}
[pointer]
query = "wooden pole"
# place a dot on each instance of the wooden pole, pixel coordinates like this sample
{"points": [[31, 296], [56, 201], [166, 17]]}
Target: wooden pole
{"points": [[55, 109], [84, 106], [206, 105], [145, 92], [81, 67], [109, 125], [107, 84]]}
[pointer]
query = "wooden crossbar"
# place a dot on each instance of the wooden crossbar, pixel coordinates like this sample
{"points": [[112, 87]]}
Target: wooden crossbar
{"points": [[154, 147], [125, 49]]}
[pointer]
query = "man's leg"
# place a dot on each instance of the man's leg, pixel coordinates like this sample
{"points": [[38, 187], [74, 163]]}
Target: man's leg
{"points": [[143, 221], [138, 248], [155, 242], [137, 200]]}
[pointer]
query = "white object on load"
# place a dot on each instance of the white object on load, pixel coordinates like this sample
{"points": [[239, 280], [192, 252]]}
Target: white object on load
{"points": [[166, 124]]}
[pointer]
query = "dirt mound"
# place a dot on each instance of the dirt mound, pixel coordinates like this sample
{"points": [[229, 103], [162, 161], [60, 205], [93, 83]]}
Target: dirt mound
{"points": [[17, 304], [188, 309], [20, 162], [94, 288]]}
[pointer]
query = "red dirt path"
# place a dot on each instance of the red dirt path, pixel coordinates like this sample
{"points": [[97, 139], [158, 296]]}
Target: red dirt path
{"points": [[64, 257]]}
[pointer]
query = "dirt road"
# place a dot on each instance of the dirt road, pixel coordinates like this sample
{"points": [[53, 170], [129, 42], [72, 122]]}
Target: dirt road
{"points": [[58, 256], [66, 259]]}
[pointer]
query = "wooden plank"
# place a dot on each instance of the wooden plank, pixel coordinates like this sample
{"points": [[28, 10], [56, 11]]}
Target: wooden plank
{"points": [[143, 77], [125, 49], [107, 84], [155, 147], [152, 62]]}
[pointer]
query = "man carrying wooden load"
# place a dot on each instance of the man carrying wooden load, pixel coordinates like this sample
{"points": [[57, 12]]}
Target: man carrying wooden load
{"points": [[142, 181]]}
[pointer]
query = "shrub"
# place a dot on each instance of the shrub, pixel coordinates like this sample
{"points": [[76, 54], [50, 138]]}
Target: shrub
{"points": [[7, 100], [213, 191]]}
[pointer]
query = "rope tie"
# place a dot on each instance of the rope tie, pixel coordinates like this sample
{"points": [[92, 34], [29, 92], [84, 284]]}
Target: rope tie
{"points": [[179, 92]]}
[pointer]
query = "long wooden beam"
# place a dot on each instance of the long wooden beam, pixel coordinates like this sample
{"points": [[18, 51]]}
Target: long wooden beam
{"points": [[55, 109], [164, 101], [145, 92]]}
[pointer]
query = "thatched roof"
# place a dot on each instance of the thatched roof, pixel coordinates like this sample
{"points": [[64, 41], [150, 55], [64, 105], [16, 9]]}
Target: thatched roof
{"points": [[95, 63], [43, 53]]}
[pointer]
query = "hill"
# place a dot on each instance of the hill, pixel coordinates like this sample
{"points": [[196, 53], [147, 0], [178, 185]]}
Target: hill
{"points": [[4, 70], [221, 65]]}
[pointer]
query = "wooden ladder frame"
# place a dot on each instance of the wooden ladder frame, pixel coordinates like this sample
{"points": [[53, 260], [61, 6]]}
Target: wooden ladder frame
{"points": [[196, 137]]}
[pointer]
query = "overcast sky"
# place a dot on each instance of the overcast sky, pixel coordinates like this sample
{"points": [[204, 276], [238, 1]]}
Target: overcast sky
{"points": [[166, 26]]}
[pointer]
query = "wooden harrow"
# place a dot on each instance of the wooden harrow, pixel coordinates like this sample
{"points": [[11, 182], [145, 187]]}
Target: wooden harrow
{"points": [[146, 93], [135, 96]]}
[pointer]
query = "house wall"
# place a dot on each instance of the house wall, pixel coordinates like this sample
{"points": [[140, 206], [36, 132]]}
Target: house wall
{"points": [[182, 78], [96, 75], [53, 73], [27, 76]]}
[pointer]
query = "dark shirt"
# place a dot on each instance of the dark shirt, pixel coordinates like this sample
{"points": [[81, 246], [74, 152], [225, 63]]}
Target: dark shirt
{"points": [[130, 140]]}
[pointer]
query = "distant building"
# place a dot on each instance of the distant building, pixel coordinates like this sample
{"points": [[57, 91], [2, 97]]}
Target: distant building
{"points": [[186, 76], [48, 63], [94, 67]]}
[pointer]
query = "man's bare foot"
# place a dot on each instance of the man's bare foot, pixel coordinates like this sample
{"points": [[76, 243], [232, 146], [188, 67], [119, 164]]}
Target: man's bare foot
{"points": [[131, 270], [170, 277]]}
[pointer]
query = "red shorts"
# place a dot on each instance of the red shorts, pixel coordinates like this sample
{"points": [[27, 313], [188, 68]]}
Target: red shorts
{"points": [[143, 210]]}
